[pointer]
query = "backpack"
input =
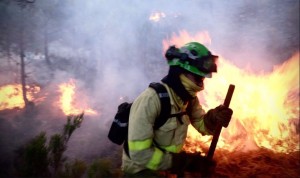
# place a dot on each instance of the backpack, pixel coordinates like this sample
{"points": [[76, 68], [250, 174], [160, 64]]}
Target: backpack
{"points": [[119, 128]]}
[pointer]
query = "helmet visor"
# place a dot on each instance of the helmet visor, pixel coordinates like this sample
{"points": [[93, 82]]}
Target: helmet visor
{"points": [[206, 64]]}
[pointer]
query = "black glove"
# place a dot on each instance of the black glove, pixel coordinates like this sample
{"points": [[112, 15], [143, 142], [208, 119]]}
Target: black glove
{"points": [[191, 162], [220, 115]]}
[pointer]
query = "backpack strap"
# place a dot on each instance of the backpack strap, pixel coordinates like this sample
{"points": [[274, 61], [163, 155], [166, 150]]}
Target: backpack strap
{"points": [[164, 102], [165, 112]]}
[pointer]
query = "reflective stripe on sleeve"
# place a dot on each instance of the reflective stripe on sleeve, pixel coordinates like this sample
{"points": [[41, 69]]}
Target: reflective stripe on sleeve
{"points": [[173, 148], [155, 160], [201, 127], [139, 145]]}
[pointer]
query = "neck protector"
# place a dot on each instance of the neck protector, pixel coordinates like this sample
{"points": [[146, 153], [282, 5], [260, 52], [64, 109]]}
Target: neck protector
{"points": [[174, 82], [190, 86]]}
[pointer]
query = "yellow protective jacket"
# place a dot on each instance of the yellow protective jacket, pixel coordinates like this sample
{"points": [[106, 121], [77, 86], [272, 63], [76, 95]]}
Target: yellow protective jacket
{"points": [[150, 149]]}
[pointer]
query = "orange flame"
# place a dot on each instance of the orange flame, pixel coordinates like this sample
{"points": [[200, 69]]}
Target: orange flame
{"points": [[266, 106], [67, 100], [156, 16], [11, 96], [184, 37]]}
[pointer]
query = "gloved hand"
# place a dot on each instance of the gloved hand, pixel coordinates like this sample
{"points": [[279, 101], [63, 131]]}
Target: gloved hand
{"points": [[220, 115], [191, 162]]}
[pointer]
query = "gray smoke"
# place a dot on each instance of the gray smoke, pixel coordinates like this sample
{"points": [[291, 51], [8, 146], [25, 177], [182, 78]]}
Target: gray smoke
{"points": [[113, 50]]}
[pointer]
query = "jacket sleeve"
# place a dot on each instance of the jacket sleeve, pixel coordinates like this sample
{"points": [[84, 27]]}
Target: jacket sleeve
{"points": [[142, 151], [196, 114]]}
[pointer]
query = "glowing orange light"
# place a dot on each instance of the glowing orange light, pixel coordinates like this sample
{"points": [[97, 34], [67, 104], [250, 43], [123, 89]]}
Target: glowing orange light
{"points": [[156, 16], [11, 96], [266, 106], [67, 100], [184, 37]]}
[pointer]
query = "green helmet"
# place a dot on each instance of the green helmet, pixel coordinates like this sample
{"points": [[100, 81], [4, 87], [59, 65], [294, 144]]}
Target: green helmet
{"points": [[193, 57]]}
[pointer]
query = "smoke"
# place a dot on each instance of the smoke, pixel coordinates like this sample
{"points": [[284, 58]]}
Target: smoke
{"points": [[118, 50], [257, 34]]}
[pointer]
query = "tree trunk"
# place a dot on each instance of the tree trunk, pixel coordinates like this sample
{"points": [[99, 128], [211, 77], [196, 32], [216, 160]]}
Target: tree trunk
{"points": [[7, 49], [23, 74], [46, 48]]}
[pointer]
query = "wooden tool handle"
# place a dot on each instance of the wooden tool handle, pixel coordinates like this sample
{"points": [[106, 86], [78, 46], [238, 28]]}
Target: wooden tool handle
{"points": [[216, 135]]}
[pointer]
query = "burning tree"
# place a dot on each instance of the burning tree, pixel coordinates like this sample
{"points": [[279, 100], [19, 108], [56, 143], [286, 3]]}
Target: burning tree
{"points": [[18, 39], [25, 42]]}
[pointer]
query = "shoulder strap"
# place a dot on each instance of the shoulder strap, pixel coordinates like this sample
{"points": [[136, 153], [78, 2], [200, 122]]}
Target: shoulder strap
{"points": [[165, 104], [164, 113]]}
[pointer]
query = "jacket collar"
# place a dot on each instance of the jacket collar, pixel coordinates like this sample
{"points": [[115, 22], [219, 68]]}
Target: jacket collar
{"points": [[174, 82]]}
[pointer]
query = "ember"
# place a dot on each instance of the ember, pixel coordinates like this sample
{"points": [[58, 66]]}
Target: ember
{"points": [[257, 163], [156, 16]]}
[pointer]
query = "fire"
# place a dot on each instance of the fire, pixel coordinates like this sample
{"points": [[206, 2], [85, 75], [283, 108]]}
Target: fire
{"points": [[11, 96], [265, 105], [184, 37], [67, 100], [156, 16]]}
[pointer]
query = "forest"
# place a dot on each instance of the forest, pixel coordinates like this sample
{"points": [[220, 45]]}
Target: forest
{"points": [[67, 65]]}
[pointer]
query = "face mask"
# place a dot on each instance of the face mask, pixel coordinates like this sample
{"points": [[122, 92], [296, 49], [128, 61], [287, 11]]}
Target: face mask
{"points": [[190, 86]]}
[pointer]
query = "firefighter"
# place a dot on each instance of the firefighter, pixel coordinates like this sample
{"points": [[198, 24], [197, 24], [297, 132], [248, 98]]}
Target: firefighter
{"points": [[152, 151]]}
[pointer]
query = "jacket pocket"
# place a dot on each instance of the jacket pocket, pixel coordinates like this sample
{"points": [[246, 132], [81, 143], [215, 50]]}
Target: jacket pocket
{"points": [[171, 124], [165, 134]]}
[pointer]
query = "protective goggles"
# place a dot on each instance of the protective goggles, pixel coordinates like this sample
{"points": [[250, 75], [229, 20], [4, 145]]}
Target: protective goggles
{"points": [[206, 64]]}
